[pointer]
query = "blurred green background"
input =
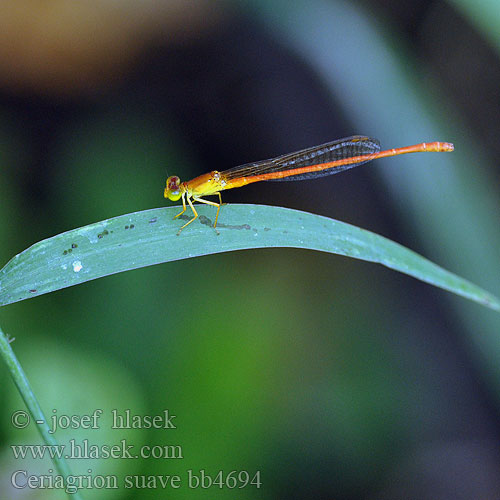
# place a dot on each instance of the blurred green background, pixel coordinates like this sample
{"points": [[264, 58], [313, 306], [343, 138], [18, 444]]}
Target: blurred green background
{"points": [[334, 378]]}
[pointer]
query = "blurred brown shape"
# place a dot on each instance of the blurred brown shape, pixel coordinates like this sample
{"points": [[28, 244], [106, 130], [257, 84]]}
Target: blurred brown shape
{"points": [[71, 47]]}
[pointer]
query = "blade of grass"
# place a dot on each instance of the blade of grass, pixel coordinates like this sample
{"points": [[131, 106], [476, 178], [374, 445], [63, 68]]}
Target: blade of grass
{"points": [[150, 237], [33, 406]]}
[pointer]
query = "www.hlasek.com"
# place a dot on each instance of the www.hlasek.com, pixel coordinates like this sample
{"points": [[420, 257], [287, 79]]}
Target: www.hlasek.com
{"points": [[84, 449], [20, 479]]}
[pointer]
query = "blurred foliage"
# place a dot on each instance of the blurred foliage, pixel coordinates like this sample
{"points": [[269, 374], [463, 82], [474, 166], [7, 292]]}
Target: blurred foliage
{"points": [[447, 199], [485, 14]]}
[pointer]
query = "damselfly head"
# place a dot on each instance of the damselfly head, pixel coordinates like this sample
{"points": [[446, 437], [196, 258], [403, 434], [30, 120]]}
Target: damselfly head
{"points": [[173, 188]]}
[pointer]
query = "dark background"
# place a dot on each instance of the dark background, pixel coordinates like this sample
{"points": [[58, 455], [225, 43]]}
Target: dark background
{"points": [[335, 378]]}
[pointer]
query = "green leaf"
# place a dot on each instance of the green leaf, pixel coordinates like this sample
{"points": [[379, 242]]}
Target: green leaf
{"points": [[151, 237]]}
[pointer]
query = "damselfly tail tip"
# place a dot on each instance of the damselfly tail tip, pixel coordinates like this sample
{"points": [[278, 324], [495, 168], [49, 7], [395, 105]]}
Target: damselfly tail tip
{"points": [[438, 147]]}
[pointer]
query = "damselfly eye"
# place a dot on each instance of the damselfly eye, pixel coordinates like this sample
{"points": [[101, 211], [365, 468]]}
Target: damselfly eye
{"points": [[172, 190]]}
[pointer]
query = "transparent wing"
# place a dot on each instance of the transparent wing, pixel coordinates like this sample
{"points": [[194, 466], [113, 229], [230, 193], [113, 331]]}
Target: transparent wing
{"points": [[323, 154]]}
